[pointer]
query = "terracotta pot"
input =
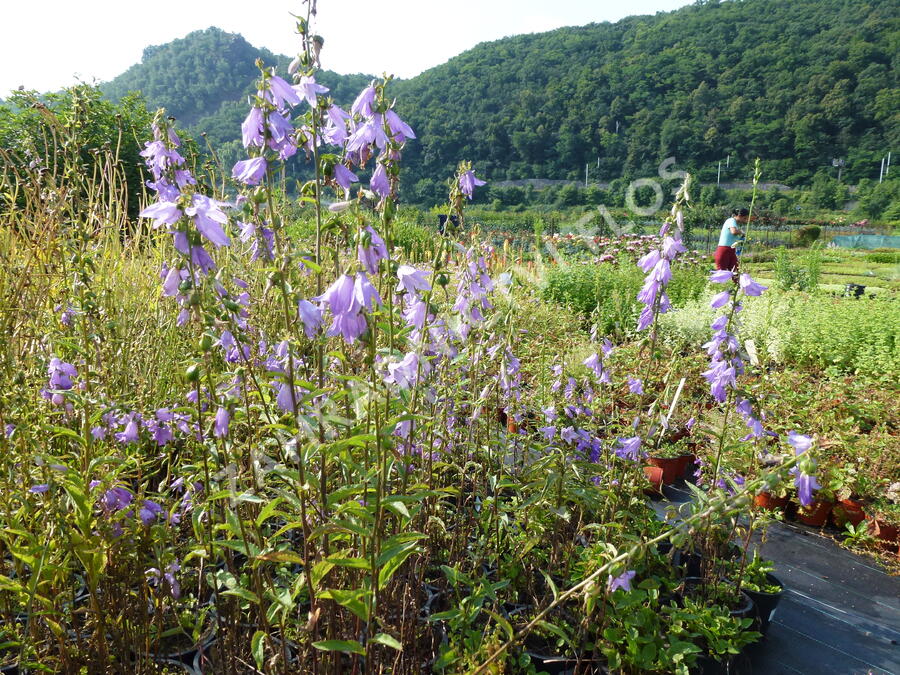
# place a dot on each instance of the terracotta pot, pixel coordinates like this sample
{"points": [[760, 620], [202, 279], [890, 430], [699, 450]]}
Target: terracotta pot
{"points": [[816, 514], [885, 533], [655, 475], [848, 511], [767, 501], [672, 467]]}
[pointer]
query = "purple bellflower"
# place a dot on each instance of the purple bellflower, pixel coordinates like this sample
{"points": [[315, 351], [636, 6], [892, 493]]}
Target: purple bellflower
{"points": [[623, 581], [468, 182], [250, 171]]}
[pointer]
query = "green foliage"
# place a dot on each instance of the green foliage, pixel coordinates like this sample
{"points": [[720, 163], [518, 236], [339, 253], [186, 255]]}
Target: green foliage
{"points": [[839, 335], [808, 234], [879, 200], [77, 128], [800, 273], [884, 257], [827, 193], [794, 83], [607, 293]]}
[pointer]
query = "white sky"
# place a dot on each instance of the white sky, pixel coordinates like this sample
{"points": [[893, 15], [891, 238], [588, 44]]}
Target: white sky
{"points": [[49, 44]]}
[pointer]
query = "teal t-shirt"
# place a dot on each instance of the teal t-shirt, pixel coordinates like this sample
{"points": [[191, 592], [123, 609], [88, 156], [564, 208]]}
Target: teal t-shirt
{"points": [[727, 238]]}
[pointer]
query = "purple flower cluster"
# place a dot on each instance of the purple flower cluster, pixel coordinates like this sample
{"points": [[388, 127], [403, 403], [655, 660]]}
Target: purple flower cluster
{"points": [[804, 480], [657, 265], [724, 348], [169, 180], [60, 376], [348, 298], [472, 291]]}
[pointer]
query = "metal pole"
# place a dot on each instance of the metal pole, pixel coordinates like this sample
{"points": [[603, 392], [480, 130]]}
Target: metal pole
{"points": [[887, 167], [719, 173], [881, 173], [585, 175]]}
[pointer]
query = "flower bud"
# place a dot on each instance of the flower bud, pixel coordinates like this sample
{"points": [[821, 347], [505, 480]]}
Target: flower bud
{"points": [[193, 372]]}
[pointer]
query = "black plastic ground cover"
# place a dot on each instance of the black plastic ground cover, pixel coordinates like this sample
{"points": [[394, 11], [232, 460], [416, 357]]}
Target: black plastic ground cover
{"points": [[840, 614]]}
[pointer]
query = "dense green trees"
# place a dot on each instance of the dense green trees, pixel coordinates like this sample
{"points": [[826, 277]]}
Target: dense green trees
{"points": [[796, 83], [76, 130]]}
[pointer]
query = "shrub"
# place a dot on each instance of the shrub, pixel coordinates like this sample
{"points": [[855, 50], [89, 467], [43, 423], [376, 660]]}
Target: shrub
{"points": [[808, 234], [883, 257], [837, 334], [608, 292], [801, 273]]}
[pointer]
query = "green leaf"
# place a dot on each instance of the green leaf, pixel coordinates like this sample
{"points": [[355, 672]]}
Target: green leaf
{"points": [[397, 557], [256, 647], [388, 641], [354, 600], [349, 646], [243, 593], [268, 510], [281, 557]]}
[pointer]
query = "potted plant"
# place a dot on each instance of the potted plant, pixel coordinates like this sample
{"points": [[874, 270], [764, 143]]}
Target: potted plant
{"points": [[851, 491], [816, 514], [885, 523], [672, 458], [755, 578], [718, 635]]}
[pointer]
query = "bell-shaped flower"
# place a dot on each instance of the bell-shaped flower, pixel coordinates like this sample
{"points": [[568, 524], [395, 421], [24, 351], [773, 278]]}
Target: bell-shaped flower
{"points": [[364, 293], [371, 249], [281, 93], [364, 103], [468, 182], [310, 316], [720, 299], [380, 183], [750, 287], [400, 130], [162, 213], [308, 88], [412, 280], [250, 171], [339, 296], [344, 177], [209, 218], [252, 128]]}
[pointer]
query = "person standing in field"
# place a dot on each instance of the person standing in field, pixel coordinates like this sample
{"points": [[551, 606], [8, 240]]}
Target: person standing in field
{"points": [[730, 238]]}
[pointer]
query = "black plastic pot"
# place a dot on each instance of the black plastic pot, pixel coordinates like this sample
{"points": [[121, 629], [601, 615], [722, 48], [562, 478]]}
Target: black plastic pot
{"points": [[744, 611], [766, 603], [707, 665], [854, 290]]}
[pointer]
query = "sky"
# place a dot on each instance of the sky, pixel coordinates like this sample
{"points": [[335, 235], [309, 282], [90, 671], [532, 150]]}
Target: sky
{"points": [[50, 44]]}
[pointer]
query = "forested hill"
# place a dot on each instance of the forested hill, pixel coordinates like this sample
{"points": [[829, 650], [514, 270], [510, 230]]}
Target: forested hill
{"points": [[202, 79], [796, 83]]}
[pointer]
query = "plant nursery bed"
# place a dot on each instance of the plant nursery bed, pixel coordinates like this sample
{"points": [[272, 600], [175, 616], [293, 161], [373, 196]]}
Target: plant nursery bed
{"points": [[840, 613]]}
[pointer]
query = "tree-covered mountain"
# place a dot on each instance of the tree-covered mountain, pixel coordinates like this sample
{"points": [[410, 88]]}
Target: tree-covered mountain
{"points": [[796, 83], [203, 80]]}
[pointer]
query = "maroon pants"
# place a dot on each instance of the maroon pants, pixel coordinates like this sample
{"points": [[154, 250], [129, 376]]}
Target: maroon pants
{"points": [[726, 258]]}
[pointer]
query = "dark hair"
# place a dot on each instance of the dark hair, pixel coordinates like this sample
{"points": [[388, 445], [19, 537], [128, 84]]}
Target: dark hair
{"points": [[740, 212]]}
